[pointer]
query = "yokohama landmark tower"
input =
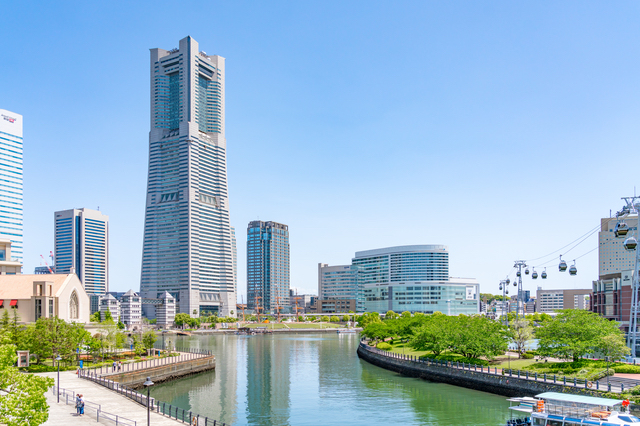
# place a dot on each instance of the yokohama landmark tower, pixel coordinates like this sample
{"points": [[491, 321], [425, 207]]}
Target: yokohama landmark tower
{"points": [[188, 249]]}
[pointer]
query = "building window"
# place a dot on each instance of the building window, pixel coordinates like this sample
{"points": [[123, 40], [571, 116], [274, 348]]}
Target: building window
{"points": [[73, 306], [38, 308], [50, 308]]}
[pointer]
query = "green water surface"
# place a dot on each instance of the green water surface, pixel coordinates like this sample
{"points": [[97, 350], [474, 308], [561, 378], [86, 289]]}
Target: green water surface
{"points": [[314, 379]]}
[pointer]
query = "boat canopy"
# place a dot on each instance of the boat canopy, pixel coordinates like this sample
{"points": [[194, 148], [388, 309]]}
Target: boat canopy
{"points": [[581, 399]]}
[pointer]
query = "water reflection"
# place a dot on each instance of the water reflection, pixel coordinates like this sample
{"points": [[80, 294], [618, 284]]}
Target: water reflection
{"points": [[317, 379]]}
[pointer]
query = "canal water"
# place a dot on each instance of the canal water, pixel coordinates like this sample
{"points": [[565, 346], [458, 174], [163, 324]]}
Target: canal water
{"points": [[314, 379]]}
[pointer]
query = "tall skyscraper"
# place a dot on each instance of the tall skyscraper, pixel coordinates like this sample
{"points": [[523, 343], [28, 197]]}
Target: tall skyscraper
{"points": [[82, 244], [11, 188], [267, 266], [187, 249]]}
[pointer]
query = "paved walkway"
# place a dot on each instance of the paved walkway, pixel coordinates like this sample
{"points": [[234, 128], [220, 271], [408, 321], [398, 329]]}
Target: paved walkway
{"points": [[61, 414]]}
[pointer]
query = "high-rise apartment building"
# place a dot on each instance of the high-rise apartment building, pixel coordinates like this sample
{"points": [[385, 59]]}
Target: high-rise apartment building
{"points": [[82, 246], [552, 300], [267, 266], [187, 249], [11, 203]]}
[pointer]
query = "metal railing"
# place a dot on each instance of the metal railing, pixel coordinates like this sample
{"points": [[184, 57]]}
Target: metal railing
{"points": [[149, 363], [158, 406], [526, 375], [100, 413]]}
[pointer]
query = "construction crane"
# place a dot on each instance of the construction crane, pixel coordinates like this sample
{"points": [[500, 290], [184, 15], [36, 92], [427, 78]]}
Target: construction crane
{"points": [[45, 262]]}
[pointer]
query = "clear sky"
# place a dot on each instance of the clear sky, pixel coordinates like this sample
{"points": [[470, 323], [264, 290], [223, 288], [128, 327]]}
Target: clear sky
{"points": [[502, 129]]}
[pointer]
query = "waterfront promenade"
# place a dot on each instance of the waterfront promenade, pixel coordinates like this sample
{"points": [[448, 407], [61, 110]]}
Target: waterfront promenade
{"points": [[61, 414]]}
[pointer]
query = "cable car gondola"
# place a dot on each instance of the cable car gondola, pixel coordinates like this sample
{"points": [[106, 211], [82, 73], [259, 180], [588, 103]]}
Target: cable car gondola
{"points": [[526, 271], [518, 274], [544, 274], [630, 243], [534, 275], [563, 265], [573, 270], [621, 229]]}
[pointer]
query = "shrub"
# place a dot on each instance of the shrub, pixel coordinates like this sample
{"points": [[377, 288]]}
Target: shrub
{"points": [[384, 346], [627, 369], [635, 390], [527, 355]]}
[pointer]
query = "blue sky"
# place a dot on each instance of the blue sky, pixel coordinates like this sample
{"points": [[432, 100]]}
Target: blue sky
{"points": [[500, 129]]}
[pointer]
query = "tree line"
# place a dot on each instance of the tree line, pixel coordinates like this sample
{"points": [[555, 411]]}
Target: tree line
{"points": [[571, 334]]}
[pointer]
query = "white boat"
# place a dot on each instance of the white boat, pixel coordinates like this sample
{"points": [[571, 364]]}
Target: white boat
{"points": [[561, 409], [346, 330]]}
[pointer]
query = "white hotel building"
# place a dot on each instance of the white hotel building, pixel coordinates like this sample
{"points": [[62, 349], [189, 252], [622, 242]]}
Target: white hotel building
{"points": [[11, 201]]}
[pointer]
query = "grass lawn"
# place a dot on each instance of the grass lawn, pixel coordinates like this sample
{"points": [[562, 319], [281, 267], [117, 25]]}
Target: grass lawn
{"points": [[516, 364], [294, 325]]}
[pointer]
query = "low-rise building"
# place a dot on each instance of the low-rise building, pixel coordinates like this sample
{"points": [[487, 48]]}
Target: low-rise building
{"points": [[53, 295], [331, 306], [165, 310], [108, 303], [549, 301], [131, 310]]}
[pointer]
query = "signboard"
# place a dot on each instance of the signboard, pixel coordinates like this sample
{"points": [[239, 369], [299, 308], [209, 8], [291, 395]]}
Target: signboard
{"points": [[471, 293]]}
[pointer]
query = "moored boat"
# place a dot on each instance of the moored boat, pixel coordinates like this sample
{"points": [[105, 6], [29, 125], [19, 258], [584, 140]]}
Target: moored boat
{"points": [[560, 409]]}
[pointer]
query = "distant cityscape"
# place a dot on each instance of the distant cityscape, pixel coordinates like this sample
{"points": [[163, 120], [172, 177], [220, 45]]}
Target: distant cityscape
{"points": [[189, 253]]}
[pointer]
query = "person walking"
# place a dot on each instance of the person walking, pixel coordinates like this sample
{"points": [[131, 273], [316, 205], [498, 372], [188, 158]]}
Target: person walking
{"points": [[81, 403], [77, 404], [114, 366]]}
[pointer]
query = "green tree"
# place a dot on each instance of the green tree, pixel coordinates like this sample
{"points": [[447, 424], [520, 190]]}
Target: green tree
{"points": [[346, 318], [377, 331], [406, 314], [107, 316], [121, 325], [149, 337], [368, 318], [574, 333], [390, 315], [478, 336], [181, 319], [521, 332], [95, 317], [334, 318], [23, 400], [434, 335], [51, 337]]}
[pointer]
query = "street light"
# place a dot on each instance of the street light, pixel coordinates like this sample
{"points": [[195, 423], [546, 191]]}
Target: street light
{"points": [[148, 384], [58, 358]]}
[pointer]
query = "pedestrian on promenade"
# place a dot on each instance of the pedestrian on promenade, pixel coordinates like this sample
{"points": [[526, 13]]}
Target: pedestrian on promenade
{"points": [[81, 403], [119, 366], [114, 366], [78, 404]]}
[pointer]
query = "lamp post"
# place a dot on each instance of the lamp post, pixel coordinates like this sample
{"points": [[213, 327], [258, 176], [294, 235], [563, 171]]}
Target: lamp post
{"points": [[148, 384], [58, 358]]}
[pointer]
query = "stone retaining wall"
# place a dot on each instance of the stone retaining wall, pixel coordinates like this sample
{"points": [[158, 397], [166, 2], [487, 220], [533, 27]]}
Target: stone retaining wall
{"points": [[498, 384], [134, 379]]}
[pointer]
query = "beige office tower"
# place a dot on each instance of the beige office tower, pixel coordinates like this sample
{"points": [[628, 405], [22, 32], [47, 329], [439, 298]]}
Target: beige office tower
{"points": [[187, 249]]}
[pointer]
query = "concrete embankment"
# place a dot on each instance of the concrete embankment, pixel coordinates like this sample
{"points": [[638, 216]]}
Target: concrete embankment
{"points": [[469, 378], [161, 373]]}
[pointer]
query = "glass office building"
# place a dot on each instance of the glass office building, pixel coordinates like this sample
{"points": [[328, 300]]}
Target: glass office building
{"points": [[415, 279], [82, 246], [11, 201], [267, 266], [187, 249], [340, 282]]}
